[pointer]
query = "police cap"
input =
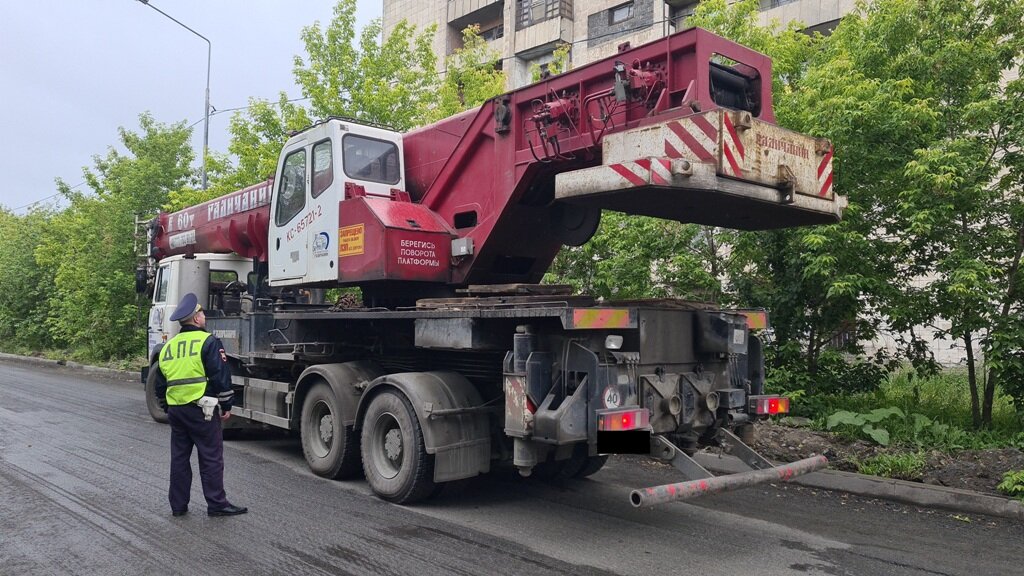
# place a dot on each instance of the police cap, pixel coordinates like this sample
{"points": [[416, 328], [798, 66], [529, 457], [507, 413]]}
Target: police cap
{"points": [[186, 309]]}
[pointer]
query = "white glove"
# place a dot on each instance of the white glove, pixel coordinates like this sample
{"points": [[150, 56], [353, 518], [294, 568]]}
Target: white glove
{"points": [[208, 404]]}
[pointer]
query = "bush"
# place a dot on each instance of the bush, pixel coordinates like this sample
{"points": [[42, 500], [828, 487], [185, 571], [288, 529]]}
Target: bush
{"points": [[835, 374], [1013, 484]]}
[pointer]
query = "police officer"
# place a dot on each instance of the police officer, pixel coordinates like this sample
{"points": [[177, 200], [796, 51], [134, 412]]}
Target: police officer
{"points": [[193, 365]]}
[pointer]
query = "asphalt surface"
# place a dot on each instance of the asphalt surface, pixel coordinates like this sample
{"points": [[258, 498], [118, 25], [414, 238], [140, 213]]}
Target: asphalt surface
{"points": [[83, 483]]}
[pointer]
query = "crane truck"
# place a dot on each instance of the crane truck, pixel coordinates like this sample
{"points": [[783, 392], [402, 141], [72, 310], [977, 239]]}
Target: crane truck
{"points": [[454, 358]]}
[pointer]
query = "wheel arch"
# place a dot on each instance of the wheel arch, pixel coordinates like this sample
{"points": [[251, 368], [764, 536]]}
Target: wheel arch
{"points": [[155, 356], [342, 378], [460, 443]]}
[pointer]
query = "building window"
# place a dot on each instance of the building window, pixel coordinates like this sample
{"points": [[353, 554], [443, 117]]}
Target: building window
{"points": [[530, 12], [769, 4], [678, 14], [620, 13], [493, 33]]}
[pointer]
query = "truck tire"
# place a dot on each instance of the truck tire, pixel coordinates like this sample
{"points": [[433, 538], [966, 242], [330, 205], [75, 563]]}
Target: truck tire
{"points": [[580, 465], [152, 404], [329, 446], [395, 461], [591, 466]]}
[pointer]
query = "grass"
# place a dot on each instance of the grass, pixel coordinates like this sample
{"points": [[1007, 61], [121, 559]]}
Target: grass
{"points": [[944, 398], [947, 397], [907, 466]]}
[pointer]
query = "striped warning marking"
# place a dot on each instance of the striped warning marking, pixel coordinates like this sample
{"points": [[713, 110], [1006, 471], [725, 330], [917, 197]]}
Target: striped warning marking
{"points": [[732, 149], [694, 135], [825, 175], [645, 171]]}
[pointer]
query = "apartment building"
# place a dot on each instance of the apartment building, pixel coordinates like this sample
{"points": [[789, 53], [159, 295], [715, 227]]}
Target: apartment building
{"points": [[526, 32]]}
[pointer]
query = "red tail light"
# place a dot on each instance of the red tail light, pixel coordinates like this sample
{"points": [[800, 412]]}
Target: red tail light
{"points": [[768, 405], [619, 419]]}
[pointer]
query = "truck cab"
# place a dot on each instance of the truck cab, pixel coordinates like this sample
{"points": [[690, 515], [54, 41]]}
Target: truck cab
{"points": [[318, 168], [218, 280]]}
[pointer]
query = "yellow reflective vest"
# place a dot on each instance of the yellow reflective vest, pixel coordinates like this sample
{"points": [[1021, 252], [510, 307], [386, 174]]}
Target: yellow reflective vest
{"points": [[181, 361]]}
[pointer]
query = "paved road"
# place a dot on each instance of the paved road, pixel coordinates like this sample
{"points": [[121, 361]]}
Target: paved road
{"points": [[83, 491]]}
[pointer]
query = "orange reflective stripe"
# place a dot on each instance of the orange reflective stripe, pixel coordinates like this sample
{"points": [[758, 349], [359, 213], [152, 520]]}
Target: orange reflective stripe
{"points": [[601, 318]]}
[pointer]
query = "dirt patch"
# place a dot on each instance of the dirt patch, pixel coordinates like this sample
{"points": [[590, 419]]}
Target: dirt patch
{"points": [[977, 470]]}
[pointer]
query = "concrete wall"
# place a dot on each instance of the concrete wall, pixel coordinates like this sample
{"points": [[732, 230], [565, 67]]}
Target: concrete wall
{"points": [[812, 13], [421, 13]]}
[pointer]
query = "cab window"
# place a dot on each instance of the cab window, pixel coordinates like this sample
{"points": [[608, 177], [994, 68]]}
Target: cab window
{"points": [[323, 167], [371, 159], [291, 191], [161, 285]]}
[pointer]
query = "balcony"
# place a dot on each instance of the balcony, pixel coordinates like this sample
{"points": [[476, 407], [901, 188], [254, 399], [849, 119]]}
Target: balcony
{"points": [[462, 13], [541, 25]]}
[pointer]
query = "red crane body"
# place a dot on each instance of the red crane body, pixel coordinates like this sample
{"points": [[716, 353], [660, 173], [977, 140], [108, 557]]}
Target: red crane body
{"points": [[487, 176]]}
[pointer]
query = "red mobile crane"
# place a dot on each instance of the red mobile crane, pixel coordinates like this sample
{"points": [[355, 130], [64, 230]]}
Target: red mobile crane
{"points": [[456, 357]]}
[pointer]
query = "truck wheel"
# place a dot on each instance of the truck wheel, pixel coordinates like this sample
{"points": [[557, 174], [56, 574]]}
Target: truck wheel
{"points": [[592, 465], [329, 445], [395, 460], [152, 404]]}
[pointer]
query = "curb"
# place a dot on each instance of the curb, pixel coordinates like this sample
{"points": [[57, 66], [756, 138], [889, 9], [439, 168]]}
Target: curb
{"points": [[67, 364], [953, 499]]}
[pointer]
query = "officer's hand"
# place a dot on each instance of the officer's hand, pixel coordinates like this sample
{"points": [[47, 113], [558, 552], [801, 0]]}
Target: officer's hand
{"points": [[224, 416]]}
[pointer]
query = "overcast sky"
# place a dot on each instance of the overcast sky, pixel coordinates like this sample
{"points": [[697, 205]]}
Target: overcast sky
{"points": [[73, 71]]}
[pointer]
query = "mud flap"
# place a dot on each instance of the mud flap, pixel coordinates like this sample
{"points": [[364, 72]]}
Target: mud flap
{"points": [[452, 417]]}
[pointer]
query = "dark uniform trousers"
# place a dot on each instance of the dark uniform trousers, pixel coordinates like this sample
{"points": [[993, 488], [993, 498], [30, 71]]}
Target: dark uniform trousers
{"points": [[188, 429]]}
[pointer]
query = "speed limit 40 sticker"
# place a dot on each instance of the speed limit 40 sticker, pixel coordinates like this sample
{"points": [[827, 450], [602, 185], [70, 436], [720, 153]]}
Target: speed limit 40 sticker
{"points": [[611, 396]]}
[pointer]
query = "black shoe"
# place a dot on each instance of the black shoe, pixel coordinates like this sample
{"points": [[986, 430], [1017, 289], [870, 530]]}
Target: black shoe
{"points": [[179, 512], [230, 510]]}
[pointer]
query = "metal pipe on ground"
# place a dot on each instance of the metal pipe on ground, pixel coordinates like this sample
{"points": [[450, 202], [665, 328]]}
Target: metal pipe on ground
{"points": [[706, 486]]}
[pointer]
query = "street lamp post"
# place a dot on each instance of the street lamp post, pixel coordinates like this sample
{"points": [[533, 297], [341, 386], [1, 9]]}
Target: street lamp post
{"points": [[206, 118]]}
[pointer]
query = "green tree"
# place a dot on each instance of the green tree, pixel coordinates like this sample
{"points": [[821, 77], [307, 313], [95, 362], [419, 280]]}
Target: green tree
{"points": [[817, 283], [559, 64], [23, 283], [393, 82], [471, 76], [638, 257], [928, 132], [257, 135], [88, 247]]}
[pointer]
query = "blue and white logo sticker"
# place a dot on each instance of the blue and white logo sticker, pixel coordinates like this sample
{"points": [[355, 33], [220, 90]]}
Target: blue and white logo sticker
{"points": [[320, 244]]}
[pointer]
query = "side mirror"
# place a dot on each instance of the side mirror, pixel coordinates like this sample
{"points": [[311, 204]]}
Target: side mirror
{"points": [[141, 281]]}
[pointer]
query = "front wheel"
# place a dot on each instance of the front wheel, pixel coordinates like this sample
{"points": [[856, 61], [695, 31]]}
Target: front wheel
{"points": [[395, 460], [152, 403]]}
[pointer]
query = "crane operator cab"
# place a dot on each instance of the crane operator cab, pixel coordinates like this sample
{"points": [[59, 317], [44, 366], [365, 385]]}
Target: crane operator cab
{"points": [[340, 214]]}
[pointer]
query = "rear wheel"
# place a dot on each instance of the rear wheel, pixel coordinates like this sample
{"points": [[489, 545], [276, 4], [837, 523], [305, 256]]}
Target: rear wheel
{"points": [[152, 403], [329, 446], [591, 466], [395, 460]]}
